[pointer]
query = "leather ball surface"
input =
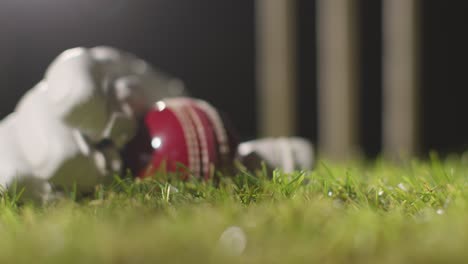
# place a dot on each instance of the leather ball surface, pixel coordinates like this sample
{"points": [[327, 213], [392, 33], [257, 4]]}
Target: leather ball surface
{"points": [[182, 135]]}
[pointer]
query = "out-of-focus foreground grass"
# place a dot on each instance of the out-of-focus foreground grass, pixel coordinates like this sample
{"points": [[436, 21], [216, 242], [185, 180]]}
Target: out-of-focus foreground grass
{"points": [[356, 213]]}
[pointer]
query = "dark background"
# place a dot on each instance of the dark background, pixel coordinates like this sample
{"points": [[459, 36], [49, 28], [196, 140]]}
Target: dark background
{"points": [[210, 44]]}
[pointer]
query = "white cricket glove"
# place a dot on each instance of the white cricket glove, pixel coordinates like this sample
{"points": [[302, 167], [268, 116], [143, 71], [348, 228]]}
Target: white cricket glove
{"points": [[87, 96], [287, 154]]}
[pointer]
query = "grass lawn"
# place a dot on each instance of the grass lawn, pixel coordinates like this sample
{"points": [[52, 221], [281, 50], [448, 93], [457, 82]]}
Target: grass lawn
{"points": [[354, 213]]}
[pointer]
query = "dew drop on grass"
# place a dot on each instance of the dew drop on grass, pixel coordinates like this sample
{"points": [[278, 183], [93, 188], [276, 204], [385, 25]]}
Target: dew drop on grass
{"points": [[402, 187], [233, 241], [173, 189]]}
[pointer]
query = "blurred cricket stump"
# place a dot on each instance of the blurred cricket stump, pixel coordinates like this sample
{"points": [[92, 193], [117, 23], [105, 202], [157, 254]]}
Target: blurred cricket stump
{"points": [[337, 78], [276, 66], [400, 78]]}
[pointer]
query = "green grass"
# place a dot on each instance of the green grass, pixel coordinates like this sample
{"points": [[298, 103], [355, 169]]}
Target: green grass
{"points": [[357, 213]]}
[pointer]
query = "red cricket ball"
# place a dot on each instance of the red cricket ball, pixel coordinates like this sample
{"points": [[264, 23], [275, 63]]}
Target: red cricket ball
{"points": [[182, 135]]}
